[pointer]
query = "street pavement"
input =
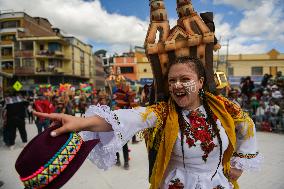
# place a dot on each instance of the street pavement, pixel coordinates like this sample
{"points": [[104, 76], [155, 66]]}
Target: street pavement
{"points": [[89, 176]]}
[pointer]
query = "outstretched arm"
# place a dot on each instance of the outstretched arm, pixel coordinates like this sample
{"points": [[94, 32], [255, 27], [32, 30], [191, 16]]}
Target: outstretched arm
{"points": [[71, 123], [112, 128]]}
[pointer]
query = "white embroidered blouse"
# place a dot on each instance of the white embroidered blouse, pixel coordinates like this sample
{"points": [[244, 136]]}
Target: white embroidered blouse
{"points": [[191, 170]]}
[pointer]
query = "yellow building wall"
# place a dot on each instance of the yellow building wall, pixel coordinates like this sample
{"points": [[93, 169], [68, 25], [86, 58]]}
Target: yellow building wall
{"points": [[66, 50], [67, 64], [78, 47], [77, 69], [141, 67], [143, 64], [242, 64]]}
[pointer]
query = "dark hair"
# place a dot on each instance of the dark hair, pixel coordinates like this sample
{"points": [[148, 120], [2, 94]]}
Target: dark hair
{"points": [[199, 68]]}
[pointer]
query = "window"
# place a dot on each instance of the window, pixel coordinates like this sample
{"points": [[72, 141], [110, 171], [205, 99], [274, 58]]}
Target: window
{"points": [[187, 12], [222, 59], [42, 65], [27, 45], [230, 71], [82, 59], [127, 70], [8, 37], [54, 46], [54, 63], [10, 24], [28, 62], [257, 71], [82, 67], [16, 45], [17, 62], [145, 70], [41, 47], [7, 65], [81, 54], [6, 51]]}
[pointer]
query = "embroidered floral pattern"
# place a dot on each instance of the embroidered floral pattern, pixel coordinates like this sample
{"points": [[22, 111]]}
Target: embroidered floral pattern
{"points": [[176, 184], [240, 117], [154, 136], [199, 129], [234, 110]]}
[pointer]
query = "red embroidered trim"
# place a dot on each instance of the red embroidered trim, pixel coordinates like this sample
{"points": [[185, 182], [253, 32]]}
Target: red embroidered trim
{"points": [[199, 129], [176, 184]]}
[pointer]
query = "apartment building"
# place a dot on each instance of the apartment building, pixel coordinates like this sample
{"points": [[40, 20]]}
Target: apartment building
{"points": [[34, 52], [126, 65]]}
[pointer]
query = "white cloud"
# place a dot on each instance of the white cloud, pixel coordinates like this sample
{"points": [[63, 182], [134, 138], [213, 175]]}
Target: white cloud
{"points": [[86, 20], [260, 29], [239, 4], [237, 43], [89, 21], [264, 22], [223, 29]]}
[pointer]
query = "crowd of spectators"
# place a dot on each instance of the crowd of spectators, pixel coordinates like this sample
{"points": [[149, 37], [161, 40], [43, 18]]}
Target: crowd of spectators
{"points": [[263, 102]]}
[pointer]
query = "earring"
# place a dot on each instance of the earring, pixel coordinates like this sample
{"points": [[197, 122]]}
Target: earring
{"points": [[201, 93]]}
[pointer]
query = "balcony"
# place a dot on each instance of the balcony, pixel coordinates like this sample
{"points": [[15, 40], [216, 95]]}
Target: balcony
{"points": [[49, 71], [8, 70], [24, 54], [24, 70], [8, 42], [11, 30], [7, 57], [50, 54]]}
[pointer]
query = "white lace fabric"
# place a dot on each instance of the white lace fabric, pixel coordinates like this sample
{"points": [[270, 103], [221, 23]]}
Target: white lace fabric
{"points": [[103, 154], [245, 164]]}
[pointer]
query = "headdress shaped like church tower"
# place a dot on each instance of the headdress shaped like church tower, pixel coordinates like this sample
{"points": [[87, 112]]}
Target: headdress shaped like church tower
{"points": [[192, 36]]}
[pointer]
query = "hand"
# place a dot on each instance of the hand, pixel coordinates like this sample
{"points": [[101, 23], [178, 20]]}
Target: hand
{"points": [[69, 123], [235, 173]]}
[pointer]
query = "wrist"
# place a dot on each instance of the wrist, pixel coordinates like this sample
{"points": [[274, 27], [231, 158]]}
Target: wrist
{"points": [[96, 124]]}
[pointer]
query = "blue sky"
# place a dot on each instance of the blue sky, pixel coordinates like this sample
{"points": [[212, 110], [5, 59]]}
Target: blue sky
{"points": [[252, 26]]}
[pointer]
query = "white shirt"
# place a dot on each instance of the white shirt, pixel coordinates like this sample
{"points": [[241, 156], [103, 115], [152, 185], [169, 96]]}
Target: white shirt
{"points": [[195, 175], [274, 109]]}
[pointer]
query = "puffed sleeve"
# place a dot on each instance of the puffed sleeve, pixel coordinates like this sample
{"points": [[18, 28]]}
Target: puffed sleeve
{"points": [[246, 155], [125, 123]]}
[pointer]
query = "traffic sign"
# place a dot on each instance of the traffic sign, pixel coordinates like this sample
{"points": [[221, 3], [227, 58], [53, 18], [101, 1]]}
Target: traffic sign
{"points": [[17, 86]]}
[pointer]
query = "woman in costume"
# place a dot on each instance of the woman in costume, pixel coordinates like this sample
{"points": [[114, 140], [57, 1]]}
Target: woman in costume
{"points": [[195, 140]]}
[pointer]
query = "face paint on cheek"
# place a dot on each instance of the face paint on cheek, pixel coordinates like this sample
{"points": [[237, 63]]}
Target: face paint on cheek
{"points": [[175, 85], [178, 84], [190, 87]]}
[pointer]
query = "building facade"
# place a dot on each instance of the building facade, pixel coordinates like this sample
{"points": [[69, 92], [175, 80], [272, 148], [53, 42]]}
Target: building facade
{"points": [[99, 73], [237, 66], [126, 65], [144, 69], [254, 65], [33, 52]]}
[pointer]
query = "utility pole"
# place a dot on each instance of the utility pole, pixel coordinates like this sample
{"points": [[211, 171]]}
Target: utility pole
{"points": [[227, 58], [218, 56]]}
